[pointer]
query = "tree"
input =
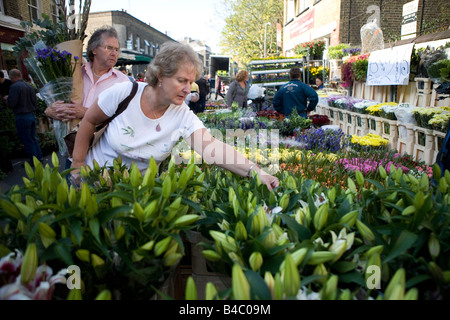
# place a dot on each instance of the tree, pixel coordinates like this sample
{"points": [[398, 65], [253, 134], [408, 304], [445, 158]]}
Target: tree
{"points": [[244, 31]]}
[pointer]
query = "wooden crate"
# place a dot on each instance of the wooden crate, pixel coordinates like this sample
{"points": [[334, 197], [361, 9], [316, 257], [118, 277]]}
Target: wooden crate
{"points": [[424, 145]]}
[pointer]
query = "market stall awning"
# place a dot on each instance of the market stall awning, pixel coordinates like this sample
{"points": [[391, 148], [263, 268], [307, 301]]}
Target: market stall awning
{"points": [[132, 58]]}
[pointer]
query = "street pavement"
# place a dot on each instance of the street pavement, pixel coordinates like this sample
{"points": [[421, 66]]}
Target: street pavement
{"points": [[15, 177]]}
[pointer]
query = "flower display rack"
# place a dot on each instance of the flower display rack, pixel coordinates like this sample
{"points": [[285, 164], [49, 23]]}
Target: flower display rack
{"points": [[272, 72], [422, 143]]}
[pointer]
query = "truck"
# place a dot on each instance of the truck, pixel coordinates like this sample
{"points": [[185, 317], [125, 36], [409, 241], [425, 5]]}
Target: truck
{"points": [[220, 65]]}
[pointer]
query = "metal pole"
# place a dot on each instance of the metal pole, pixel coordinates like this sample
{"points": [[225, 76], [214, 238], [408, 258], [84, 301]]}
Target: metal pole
{"points": [[265, 40]]}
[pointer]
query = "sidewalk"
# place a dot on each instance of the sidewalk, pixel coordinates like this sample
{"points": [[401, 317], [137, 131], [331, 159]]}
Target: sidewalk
{"points": [[15, 176]]}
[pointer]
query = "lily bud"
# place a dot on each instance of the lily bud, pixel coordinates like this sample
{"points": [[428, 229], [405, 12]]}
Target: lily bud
{"points": [[321, 217], [211, 291], [396, 284], [284, 201], [172, 259], [412, 294], [47, 234], [329, 290], [191, 289], [236, 259], [240, 232], [161, 246], [338, 248], [227, 242], [366, 233], [278, 287], [186, 220], [320, 270], [83, 255], [240, 286], [291, 279], [104, 295], [349, 219], [29, 264], [256, 260], [211, 255], [270, 282], [319, 257], [433, 245]]}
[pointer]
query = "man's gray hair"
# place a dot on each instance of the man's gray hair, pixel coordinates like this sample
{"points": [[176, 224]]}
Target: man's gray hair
{"points": [[96, 40]]}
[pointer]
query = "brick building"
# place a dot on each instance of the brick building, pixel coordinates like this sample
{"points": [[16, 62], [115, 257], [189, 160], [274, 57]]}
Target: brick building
{"points": [[139, 41], [12, 12], [340, 21]]}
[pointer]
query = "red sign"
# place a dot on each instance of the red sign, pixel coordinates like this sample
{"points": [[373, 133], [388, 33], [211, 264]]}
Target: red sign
{"points": [[305, 23]]}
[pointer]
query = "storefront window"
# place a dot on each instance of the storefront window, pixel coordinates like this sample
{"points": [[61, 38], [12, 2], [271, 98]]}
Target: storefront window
{"points": [[8, 61], [33, 7]]}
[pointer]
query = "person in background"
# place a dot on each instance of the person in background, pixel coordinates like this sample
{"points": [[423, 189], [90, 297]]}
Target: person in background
{"points": [[5, 84], [155, 120], [238, 90], [219, 87], [140, 77], [22, 100], [295, 94], [124, 71], [203, 92], [195, 97], [319, 83], [98, 74]]}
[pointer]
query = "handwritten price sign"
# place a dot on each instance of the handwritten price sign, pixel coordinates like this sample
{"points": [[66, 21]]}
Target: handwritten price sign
{"points": [[389, 66]]}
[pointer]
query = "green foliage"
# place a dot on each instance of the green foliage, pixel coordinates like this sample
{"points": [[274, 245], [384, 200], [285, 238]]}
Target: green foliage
{"points": [[336, 52], [359, 69], [121, 228], [245, 25]]}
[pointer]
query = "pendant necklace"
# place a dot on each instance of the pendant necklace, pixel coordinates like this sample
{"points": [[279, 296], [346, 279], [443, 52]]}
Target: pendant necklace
{"points": [[158, 127]]}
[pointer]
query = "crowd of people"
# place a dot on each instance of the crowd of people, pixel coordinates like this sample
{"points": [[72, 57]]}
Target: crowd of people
{"points": [[170, 94]]}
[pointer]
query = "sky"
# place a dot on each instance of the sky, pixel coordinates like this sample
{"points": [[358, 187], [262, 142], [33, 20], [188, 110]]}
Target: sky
{"points": [[197, 19]]}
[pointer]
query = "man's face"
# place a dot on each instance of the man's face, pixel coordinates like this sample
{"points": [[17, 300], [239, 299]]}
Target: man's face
{"points": [[107, 54]]}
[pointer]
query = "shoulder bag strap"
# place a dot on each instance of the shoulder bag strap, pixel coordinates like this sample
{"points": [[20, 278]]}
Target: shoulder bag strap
{"points": [[124, 104]]}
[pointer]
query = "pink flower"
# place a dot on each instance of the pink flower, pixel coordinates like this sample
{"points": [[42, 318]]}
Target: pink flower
{"points": [[40, 288]]}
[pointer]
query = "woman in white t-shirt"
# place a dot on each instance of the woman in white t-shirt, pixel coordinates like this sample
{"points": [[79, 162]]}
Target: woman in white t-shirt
{"points": [[155, 119]]}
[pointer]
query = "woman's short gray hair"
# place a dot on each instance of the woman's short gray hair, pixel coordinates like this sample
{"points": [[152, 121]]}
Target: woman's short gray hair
{"points": [[96, 40], [169, 59]]}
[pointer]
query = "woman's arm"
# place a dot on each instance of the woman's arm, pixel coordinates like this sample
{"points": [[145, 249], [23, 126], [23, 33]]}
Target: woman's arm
{"points": [[93, 117], [225, 156]]}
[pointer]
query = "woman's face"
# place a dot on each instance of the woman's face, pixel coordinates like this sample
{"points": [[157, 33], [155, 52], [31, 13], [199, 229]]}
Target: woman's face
{"points": [[177, 87], [318, 82]]}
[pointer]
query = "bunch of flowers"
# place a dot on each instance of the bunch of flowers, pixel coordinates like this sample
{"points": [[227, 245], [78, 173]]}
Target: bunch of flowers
{"points": [[315, 48], [353, 69], [323, 139], [351, 51], [440, 121], [271, 114], [319, 120], [382, 109], [369, 140], [27, 281], [437, 116], [361, 107], [55, 63]]}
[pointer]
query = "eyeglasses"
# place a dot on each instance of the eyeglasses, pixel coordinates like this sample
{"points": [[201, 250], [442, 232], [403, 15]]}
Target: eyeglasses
{"points": [[111, 49]]}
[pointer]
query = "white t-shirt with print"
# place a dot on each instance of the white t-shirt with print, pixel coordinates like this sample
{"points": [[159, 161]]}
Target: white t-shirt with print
{"points": [[133, 136]]}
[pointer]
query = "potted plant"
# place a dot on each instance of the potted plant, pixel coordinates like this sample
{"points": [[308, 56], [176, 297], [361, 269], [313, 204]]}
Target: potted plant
{"points": [[315, 49]]}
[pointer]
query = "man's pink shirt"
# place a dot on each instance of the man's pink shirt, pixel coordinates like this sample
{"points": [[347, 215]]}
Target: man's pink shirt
{"points": [[91, 90]]}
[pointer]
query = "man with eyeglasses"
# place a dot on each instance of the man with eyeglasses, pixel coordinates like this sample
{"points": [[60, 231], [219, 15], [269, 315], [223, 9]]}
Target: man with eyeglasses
{"points": [[98, 74]]}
